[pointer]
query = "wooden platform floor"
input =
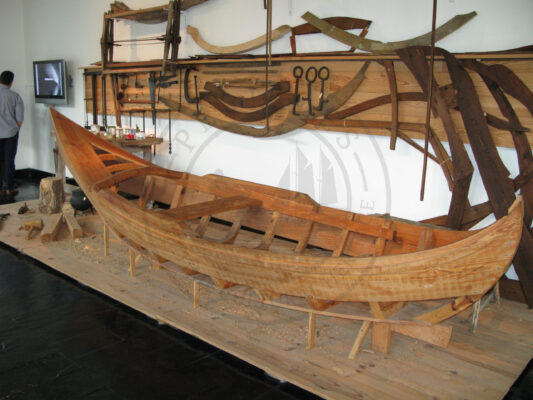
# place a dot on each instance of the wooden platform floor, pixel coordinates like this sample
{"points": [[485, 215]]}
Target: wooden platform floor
{"points": [[480, 366]]}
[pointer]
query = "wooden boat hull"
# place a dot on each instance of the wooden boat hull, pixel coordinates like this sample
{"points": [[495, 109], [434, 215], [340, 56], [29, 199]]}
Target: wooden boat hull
{"points": [[467, 267]]}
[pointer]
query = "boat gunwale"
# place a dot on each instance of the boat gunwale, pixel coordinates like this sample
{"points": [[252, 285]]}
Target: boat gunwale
{"points": [[302, 259]]}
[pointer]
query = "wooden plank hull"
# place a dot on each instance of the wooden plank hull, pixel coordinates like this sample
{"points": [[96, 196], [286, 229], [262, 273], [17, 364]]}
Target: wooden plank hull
{"points": [[467, 266]]}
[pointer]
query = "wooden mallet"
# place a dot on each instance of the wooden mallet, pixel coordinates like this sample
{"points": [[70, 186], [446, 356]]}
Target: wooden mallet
{"points": [[31, 226]]}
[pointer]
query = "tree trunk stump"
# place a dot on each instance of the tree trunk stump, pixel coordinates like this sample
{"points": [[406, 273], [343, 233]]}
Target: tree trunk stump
{"points": [[51, 195]]}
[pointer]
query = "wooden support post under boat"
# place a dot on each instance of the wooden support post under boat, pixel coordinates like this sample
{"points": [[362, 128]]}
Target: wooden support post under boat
{"points": [[476, 308], [481, 303], [359, 340], [195, 293], [496, 290], [106, 240], [132, 262], [311, 333], [381, 337]]}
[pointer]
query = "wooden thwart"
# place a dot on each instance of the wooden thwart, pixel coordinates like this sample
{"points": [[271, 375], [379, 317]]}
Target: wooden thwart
{"points": [[210, 207]]}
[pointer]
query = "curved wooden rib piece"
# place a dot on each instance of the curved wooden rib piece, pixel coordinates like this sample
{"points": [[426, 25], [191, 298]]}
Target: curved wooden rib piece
{"points": [[259, 41], [376, 46], [248, 102], [334, 101], [280, 102], [344, 23]]}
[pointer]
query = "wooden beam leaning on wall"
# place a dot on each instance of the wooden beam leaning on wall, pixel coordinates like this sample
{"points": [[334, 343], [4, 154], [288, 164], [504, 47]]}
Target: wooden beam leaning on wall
{"points": [[415, 59], [494, 175]]}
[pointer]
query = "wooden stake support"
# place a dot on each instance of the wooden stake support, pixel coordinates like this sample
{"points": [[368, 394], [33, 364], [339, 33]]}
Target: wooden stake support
{"points": [[359, 340], [106, 240], [196, 293], [311, 333], [132, 262]]}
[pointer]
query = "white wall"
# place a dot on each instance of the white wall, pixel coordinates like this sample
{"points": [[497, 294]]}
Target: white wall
{"points": [[356, 172]]}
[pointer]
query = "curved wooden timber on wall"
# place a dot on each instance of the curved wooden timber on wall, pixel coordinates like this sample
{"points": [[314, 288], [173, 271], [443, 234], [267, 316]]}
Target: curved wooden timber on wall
{"points": [[248, 102], [259, 41], [333, 101], [344, 23], [376, 46], [275, 105]]}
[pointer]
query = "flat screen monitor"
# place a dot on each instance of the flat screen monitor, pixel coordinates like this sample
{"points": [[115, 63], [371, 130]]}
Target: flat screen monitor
{"points": [[50, 81]]}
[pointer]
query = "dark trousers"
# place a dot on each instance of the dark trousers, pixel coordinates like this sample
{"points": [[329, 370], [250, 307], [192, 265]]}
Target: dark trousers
{"points": [[8, 151]]}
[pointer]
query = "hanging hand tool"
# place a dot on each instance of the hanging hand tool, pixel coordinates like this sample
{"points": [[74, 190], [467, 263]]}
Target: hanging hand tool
{"points": [[151, 83], [165, 81], [310, 76], [169, 132], [196, 92], [297, 72], [323, 75], [186, 87]]}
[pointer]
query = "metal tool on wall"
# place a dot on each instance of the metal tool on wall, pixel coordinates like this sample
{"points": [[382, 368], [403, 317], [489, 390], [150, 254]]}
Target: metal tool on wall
{"points": [[188, 98], [297, 72], [310, 76], [323, 75]]}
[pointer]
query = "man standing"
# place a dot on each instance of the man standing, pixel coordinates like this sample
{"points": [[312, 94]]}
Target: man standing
{"points": [[11, 117]]}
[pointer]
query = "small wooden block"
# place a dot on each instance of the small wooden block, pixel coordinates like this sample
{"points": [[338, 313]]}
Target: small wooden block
{"points": [[73, 226], [51, 227], [266, 295], [381, 337], [221, 283]]}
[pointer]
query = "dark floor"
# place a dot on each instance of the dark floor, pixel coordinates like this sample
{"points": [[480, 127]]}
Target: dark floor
{"points": [[60, 340]]}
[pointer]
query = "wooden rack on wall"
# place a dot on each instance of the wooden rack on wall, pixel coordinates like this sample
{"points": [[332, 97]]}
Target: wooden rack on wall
{"points": [[481, 99]]}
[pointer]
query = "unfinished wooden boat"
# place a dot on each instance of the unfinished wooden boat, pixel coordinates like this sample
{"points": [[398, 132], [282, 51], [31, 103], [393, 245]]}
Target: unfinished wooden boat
{"points": [[281, 242], [336, 255]]}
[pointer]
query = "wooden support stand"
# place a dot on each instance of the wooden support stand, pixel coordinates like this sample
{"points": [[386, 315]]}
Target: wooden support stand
{"points": [[51, 227], [73, 226], [132, 263], [196, 293]]}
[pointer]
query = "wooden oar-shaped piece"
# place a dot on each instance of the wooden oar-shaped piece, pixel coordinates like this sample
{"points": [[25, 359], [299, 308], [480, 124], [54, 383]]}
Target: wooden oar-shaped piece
{"points": [[376, 46], [259, 41]]}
